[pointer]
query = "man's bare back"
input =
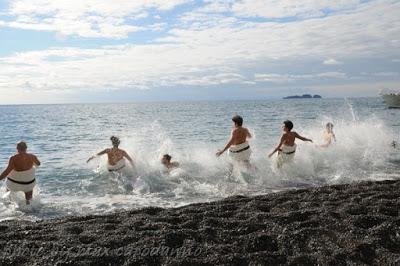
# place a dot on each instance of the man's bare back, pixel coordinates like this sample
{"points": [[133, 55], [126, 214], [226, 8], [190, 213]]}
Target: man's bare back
{"points": [[115, 155], [240, 135], [21, 162], [24, 161], [289, 138]]}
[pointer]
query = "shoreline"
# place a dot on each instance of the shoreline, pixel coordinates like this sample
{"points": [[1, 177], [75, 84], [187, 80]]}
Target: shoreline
{"points": [[356, 223]]}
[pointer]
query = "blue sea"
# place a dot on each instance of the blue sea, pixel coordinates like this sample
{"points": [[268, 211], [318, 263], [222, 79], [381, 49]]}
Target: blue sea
{"points": [[65, 136]]}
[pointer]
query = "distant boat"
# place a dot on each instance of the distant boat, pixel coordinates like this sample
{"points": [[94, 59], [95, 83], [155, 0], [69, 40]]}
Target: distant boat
{"points": [[304, 96], [392, 99]]}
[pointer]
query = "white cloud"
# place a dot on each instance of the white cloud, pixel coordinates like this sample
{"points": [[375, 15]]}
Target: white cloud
{"points": [[386, 74], [289, 78], [290, 8], [88, 18], [204, 50], [332, 61]]}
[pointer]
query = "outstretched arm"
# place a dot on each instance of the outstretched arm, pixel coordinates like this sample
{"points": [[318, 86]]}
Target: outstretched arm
{"points": [[302, 138], [126, 155], [8, 170], [277, 147], [99, 154]]}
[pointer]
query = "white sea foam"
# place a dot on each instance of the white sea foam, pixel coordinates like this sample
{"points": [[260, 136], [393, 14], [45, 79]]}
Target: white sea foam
{"points": [[362, 151]]}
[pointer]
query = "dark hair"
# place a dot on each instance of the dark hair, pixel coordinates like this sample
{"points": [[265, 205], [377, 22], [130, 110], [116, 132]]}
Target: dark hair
{"points": [[288, 124], [238, 120], [115, 141], [329, 125], [167, 156], [21, 146]]}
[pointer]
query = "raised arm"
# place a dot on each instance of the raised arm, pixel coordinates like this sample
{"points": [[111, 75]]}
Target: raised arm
{"points": [[277, 147], [8, 170], [302, 138], [99, 154]]}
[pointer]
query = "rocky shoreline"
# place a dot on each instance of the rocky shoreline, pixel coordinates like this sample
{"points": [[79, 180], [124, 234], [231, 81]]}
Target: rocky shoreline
{"points": [[356, 224]]}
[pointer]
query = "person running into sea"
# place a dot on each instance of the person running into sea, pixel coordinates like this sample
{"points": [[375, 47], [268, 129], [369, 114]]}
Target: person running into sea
{"points": [[238, 145], [116, 156], [166, 161], [20, 172], [287, 146], [329, 136]]}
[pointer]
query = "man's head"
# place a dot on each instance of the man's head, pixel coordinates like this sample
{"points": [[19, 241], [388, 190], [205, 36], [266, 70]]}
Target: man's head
{"points": [[329, 126], [115, 141], [238, 120], [287, 125], [21, 146], [166, 159]]}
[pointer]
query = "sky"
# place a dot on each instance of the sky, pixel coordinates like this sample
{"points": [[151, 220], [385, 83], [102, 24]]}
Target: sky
{"points": [[65, 51]]}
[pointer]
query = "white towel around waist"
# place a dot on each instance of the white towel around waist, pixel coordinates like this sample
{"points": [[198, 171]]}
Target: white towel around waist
{"points": [[21, 180], [240, 152], [286, 154], [116, 167]]}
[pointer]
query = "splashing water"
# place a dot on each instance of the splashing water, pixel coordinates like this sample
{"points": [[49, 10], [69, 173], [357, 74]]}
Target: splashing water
{"points": [[353, 114], [191, 132]]}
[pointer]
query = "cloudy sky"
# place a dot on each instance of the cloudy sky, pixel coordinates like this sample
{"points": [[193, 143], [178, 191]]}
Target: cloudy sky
{"points": [[55, 51]]}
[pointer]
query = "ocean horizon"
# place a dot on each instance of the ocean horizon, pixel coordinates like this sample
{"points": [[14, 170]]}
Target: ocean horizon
{"points": [[63, 136]]}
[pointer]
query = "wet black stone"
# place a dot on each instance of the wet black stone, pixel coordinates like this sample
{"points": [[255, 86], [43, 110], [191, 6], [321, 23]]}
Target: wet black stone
{"points": [[352, 224], [262, 243]]}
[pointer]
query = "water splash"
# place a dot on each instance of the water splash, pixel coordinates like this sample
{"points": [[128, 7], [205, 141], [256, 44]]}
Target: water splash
{"points": [[350, 105], [363, 151]]}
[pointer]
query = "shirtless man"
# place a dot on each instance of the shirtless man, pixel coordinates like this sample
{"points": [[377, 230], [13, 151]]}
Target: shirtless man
{"points": [[166, 161], [115, 156], [287, 145], [20, 172], [239, 148]]}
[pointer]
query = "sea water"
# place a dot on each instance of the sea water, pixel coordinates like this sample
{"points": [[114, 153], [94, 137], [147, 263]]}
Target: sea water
{"points": [[65, 136]]}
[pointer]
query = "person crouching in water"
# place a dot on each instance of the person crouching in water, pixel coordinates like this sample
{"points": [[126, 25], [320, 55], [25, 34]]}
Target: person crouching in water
{"points": [[328, 136], [116, 156], [20, 172], [166, 161], [239, 148], [287, 146]]}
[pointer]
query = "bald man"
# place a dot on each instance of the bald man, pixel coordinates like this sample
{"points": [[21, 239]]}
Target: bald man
{"points": [[20, 172]]}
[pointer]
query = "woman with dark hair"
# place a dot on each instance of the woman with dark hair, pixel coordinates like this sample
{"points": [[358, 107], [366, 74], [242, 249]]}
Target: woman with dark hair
{"points": [[287, 146], [116, 156]]}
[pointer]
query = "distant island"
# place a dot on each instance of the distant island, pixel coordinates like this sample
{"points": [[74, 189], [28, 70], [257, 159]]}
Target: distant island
{"points": [[304, 96]]}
